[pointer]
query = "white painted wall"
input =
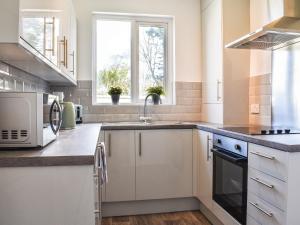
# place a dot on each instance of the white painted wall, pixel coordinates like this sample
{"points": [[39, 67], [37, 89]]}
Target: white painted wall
{"points": [[187, 31]]}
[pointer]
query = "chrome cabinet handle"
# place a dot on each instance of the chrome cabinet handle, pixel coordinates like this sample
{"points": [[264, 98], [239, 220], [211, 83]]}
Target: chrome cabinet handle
{"points": [[218, 90], [207, 148], [262, 182], [256, 205], [109, 144], [263, 155], [140, 144]]}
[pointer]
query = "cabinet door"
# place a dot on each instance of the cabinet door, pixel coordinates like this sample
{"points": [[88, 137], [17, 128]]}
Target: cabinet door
{"points": [[72, 50], [43, 24], [41, 30], [48, 195], [205, 169], [120, 149], [164, 164], [212, 52]]}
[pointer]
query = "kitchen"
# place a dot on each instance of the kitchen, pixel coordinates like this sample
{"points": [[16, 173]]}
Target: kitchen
{"points": [[149, 112]]}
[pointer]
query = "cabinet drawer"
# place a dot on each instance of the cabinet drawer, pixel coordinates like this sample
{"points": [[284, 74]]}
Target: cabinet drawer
{"points": [[269, 161], [268, 188], [263, 212]]}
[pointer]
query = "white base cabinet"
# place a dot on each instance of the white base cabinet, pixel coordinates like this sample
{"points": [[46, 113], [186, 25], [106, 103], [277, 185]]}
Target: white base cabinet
{"points": [[164, 164], [273, 186], [149, 164], [120, 148], [47, 195], [204, 168]]}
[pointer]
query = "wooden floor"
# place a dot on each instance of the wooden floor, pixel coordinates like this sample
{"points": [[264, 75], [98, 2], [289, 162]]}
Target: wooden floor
{"points": [[179, 218]]}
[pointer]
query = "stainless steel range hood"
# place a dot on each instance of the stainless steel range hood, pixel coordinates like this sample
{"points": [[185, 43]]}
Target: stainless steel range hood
{"points": [[283, 31]]}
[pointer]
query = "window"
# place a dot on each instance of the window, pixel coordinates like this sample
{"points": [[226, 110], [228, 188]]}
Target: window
{"points": [[133, 52]]}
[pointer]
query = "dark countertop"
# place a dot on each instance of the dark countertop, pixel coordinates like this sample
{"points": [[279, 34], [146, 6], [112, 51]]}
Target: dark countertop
{"points": [[155, 125], [77, 147], [288, 143], [72, 147]]}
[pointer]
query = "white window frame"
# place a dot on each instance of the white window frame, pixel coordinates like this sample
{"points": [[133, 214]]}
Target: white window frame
{"points": [[136, 20]]}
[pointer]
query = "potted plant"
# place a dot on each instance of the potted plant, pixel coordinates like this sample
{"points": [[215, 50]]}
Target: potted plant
{"points": [[156, 92], [115, 93]]}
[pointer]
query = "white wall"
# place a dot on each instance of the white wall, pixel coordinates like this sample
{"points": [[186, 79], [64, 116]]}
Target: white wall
{"points": [[187, 31]]}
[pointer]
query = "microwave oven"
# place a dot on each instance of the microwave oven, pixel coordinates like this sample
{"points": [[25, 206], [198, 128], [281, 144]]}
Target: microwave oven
{"points": [[28, 119]]}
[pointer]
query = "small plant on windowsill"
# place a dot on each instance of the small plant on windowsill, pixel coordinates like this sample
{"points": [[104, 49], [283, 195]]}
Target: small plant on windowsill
{"points": [[115, 93], [156, 92]]}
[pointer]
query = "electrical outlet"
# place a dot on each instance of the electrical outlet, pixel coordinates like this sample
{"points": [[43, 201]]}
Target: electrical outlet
{"points": [[254, 108]]}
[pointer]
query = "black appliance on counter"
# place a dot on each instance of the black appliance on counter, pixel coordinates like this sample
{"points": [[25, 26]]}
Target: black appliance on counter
{"points": [[230, 170]]}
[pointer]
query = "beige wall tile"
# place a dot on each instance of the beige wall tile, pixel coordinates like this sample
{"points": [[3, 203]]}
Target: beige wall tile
{"points": [[260, 92], [187, 108]]}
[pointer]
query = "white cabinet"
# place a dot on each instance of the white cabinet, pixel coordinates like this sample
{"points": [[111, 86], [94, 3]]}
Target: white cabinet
{"points": [[40, 38], [47, 195], [149, 164], [225, 72], [120, 148], [211, 52], [273, 186], [164, 164], [205, 170], [72, 49]]}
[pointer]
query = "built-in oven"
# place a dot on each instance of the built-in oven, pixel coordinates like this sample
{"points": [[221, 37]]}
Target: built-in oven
{"points": [[230, 176]]}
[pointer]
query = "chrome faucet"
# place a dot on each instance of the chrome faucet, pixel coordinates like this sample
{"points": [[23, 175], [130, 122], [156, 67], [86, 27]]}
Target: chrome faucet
{"points": [[146, 118]]}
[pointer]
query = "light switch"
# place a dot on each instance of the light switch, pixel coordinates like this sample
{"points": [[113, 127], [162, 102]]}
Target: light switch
{"points": [[254, 109]]}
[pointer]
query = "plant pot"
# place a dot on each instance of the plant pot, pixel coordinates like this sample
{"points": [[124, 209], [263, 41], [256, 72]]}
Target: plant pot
{"points": [[156, 99], [115, 99]]}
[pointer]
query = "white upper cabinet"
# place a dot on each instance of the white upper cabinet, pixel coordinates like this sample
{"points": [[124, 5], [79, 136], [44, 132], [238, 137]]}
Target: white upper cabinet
{"points": [[212, 53], [212, 42], [225, 72], [164, 167], [47, 31]]}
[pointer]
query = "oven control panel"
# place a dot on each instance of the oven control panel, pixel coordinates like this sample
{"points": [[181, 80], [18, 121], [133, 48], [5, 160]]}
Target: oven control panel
{"points": [[230, 144]]}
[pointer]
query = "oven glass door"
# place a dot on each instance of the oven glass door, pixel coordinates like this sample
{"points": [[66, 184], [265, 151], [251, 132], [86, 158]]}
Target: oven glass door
{"points": [[230, 183]]}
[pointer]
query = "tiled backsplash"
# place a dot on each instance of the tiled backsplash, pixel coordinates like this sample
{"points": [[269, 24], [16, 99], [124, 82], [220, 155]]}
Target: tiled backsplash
{"points": [[187, 108], [13, 79], [260, 92]]}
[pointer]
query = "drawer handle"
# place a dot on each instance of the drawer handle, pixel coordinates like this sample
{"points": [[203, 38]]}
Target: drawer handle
{"points": [[269, 214], [263, 155], [262, 182]]}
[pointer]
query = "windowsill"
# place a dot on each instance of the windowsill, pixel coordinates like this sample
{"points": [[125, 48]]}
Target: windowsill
{"points": [[131, 104]]}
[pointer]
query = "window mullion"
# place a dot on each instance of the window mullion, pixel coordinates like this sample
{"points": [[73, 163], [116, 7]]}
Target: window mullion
{"points": [[134, 62]]}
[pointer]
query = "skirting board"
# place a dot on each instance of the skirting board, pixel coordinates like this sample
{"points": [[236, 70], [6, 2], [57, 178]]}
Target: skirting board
{"points": [[149, 206], [209, 215]]}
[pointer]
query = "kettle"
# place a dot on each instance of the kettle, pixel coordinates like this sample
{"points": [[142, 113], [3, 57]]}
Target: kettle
{"points": [[68, 116]]}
